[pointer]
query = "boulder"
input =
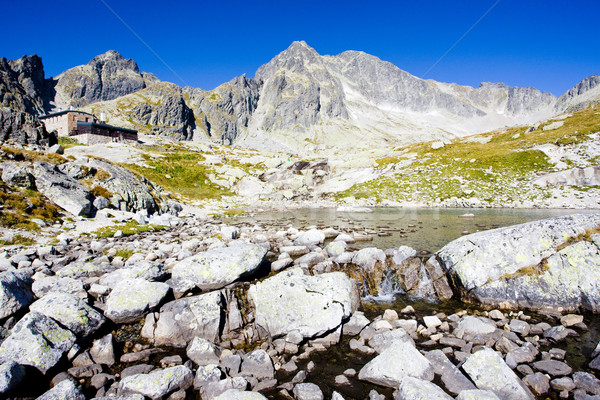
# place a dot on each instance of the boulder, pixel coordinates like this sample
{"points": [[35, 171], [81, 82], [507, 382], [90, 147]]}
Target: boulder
{"points": [[181, 320], [235, 394], [473, 326], [64, 191], [11, 374], [489, 372], [22, 127], [147, 270], [15, 292], [51, 284], [258, 364], [383, 340], [38, 341], [454, 381], [308, 391], [395, 363], [369, 259], [310, 238], [103, 351], [418, 389], [65, 390], [542, 264], [159, 383], [217, 267], [312, 305], [70, 311], [202, 352], [14, 174], [132, 299]]}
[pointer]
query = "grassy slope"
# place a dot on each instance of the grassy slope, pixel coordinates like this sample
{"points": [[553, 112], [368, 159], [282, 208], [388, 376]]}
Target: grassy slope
{"points": [[498, 170]]}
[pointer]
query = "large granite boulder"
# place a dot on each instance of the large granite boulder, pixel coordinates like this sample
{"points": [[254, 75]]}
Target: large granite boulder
{"points": [[543, 264], [217, 267], [180, 321], [131, 299], [129, 191], [235, 394], [148, 270], [311, 305], [70, 311], [157, 384], [395, 363], [53, 284], [38, 341], [15, 292], [14, 174], [63, 190], [488, 371]]}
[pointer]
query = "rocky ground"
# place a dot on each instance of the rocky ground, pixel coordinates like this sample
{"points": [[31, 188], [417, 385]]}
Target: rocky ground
{"points": [[203, 309]]}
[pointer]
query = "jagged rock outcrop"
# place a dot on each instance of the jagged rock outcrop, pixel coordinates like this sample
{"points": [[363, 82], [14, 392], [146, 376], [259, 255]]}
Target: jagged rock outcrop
{"points": [[223, 113], [584, 93], [106, 77], [22, 84], [22, 127], [552, 263]]}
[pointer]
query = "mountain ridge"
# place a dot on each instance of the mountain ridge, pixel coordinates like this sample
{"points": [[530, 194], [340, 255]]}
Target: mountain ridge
{"points": [[298, 101]]}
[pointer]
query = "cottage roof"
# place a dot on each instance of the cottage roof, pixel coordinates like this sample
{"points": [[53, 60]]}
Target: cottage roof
{"points": [[56, 114], [106, 126]]}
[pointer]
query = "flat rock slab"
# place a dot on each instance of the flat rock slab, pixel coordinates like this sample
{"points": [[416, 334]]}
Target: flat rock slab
{"points": [[70, 311], [519, 266], [38, 341], [489, 372], [158, 383], [395, 363], [477, 394], [454, 381], [63, 390], [217, 268], [553, 368], [311, 305], [130, 300]]}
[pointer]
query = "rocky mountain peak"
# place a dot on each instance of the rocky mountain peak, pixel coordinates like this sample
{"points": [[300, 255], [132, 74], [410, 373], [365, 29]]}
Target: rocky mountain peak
{"points": [[22, 85], [106, 77], [295, 59], [586, 91]]}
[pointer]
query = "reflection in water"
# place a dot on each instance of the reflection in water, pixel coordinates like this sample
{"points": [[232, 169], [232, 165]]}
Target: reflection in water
{"points": [[420, 228]]}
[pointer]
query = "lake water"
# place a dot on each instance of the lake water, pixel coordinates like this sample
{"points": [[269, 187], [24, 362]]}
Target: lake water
{"points": [[426, 229]]}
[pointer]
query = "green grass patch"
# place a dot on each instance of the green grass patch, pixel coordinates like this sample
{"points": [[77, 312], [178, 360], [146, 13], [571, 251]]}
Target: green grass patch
{"points": [[68, 142], [178, 170], [10, 153], [17, 240], [124, 253], [20, 206], [129, 228]]}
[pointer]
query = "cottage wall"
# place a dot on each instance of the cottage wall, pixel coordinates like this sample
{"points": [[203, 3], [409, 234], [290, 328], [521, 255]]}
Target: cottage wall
{"points": [[65, 123]]}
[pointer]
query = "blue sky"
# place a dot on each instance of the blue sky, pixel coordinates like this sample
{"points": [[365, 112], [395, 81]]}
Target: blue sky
{"points": [[550, 45]]}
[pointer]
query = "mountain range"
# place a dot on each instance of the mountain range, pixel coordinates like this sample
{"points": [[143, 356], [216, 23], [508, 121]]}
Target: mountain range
{"points": [[299, 101]]}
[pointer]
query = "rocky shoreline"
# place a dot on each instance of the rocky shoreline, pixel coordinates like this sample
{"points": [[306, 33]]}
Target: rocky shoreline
{"points": [[208, 310]]}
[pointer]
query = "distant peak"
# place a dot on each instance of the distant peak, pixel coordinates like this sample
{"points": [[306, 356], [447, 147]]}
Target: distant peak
{"points": [[300, 47]]}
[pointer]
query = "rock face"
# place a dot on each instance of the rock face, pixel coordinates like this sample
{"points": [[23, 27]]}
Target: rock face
{"points": [[547, 263], [22, 84], [15, 293], [585, 92], [311, 305], [105, 77], [63, 190], [419, 389], [216, 268], [589, 176], [225, 112], [37, 341], [22, 127]]}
